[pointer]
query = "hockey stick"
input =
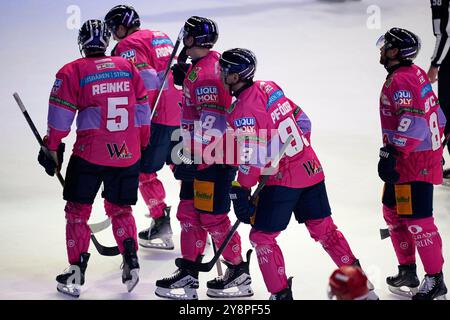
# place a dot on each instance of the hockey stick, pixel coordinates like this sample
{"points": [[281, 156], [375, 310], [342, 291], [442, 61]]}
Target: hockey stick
{"points": [[218, 264], [207, 266], [96, 227], [166, 73]]}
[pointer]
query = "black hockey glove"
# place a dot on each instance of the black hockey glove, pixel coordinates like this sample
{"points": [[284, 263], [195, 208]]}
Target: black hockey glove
{"points": [[243, 208], [387, 163], [48, 162], [179, 71]]}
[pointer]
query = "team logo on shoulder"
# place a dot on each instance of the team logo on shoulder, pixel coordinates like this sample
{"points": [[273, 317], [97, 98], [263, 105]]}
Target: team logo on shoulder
{"points": [[388, 82], [130, 55], [119, 153], [56, 85], [193, 75]]}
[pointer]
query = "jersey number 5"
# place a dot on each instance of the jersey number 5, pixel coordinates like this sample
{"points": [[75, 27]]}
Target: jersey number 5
{"points": [[117, 114]]}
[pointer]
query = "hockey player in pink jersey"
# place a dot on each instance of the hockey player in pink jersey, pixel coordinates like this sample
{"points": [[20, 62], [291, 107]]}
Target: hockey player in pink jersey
{"points": [[110, 101], [204, 196], [263, 119], [410, 164], [149, 51]]}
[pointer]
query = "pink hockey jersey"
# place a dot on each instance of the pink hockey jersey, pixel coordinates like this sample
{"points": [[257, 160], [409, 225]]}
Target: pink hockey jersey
{"points": [[203, 119], [413, 122], [263, 118], [150, 51], [113, 115]]}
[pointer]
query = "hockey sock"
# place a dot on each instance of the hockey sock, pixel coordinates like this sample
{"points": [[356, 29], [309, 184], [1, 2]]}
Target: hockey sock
{"points": [[77, 230], [428, 242], [193, 237], [270, 259], [122, 222], [219, 225], [152, 191], [404, 245], [332, 240]]}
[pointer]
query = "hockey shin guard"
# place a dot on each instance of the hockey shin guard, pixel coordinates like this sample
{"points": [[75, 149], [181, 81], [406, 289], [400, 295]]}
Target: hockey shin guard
{"points": [[152, 191], [270, 259], [219, 225], [193, 237], [122, 222], [428, 242], [404, 246], [332, 240], [77, 230]]}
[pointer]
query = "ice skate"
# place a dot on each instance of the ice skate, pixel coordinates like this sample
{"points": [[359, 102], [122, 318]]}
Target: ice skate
{"points": [[285, 294], [432, 288], [130, 266], [372, 294], [181, 285], [235, 283], [405, 283], [159, 235], [70, 282]]}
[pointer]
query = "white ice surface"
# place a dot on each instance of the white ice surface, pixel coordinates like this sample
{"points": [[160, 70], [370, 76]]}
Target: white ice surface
{"points": [[321, 53]]}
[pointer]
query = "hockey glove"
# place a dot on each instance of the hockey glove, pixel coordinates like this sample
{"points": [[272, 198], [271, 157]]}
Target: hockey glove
{"points": [[48, 162], [243, 208], [387, 163], [179, 71]]}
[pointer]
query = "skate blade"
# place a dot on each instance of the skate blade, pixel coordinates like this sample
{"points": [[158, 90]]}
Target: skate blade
{"points": [[404, 293], [73, 290], [234, 292], [372, 295], [161, 244], [132, 283], [187, 293]]}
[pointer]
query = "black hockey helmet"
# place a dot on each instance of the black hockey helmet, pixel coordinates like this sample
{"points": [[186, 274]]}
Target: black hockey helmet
{"points": [[405, 41], [240, 61], [122, 15], [93, 36], [203, 30]]}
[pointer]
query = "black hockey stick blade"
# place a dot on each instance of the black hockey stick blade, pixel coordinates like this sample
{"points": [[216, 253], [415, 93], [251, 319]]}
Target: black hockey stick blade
{"points": [[384, 233], [207, 266], [104, 251]]}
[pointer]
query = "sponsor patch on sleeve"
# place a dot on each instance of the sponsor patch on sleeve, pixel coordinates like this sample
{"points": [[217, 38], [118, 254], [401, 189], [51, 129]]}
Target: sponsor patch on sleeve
{"points": [[57, 85]]}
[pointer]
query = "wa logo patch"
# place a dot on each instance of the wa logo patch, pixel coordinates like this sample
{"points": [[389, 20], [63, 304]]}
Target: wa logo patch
{"points": [[119, 153]]}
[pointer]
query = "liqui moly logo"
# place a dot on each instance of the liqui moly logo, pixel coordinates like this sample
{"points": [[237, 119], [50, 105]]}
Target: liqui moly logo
{"points": [[207, 94]]}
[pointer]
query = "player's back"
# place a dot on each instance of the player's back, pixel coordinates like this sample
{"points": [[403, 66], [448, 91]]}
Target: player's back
{"points": [[413, 122], [103, 91], [149, 51], [205, 99], [264, 106]]}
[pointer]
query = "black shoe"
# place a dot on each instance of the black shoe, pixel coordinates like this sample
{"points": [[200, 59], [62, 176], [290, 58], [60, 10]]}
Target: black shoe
{"points": [[236, 277], [130, 267], [285, 294], [432, 287], [159, 234], [406, 278], [70, 282]]}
